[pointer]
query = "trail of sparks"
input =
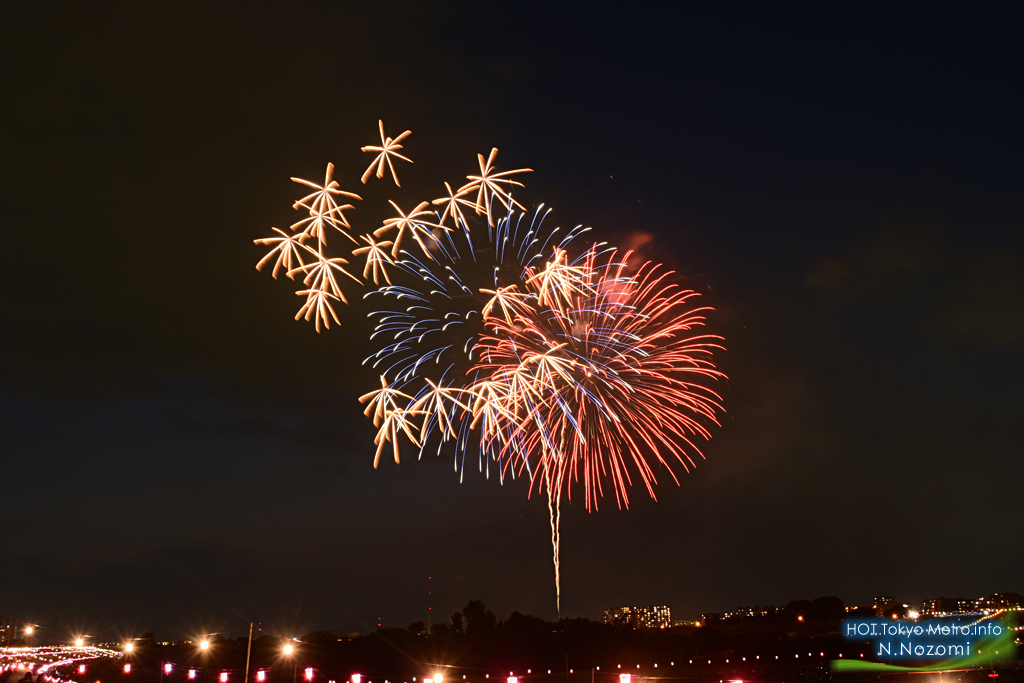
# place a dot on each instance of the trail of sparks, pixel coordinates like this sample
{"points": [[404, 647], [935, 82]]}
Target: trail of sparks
{"points": [[555, 515]]}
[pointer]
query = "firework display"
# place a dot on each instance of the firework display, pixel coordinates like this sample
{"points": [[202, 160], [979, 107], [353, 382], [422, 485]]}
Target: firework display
{"points": [[543, 356]]}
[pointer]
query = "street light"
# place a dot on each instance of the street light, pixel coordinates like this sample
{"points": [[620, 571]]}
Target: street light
{"points": [[205, 645], [128, 647], [288, 650], [79, 642]]}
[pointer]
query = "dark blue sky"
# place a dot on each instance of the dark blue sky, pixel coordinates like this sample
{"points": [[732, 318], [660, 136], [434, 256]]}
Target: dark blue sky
{"points": [[843, 183]]}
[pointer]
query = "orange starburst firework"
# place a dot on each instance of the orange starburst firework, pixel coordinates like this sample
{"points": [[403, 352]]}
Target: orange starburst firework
{"points": [[491, 185], [376, 258], [324, 211], [320, 271], [288, 249], [387, 150], [391, 419], [414, 223], [453, 204]]}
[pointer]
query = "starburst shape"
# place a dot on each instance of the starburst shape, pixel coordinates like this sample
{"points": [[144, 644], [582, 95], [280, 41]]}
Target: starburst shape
{"points": [[381, 400], [491, 184], [559, 281], [287, 250], [395, 421], [547, 367], [412, 223], [452, 206], [387, 149], [491, 399], [324, 211], [318, 303], [389, 417], [436, 404], [322, 274], [505, 298], [376, 257]]}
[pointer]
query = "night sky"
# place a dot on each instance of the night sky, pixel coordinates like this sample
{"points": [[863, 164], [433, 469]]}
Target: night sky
{"points": [[843, 185]]}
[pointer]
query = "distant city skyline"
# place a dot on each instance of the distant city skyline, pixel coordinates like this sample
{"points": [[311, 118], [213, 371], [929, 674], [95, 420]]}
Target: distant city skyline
{"points": [[651, 616]]}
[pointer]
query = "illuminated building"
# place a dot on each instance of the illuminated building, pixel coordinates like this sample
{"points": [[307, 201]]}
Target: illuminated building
{"points": [[8, 629], [998, 601], [941, 607], [883, 604], [659, 616]]}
